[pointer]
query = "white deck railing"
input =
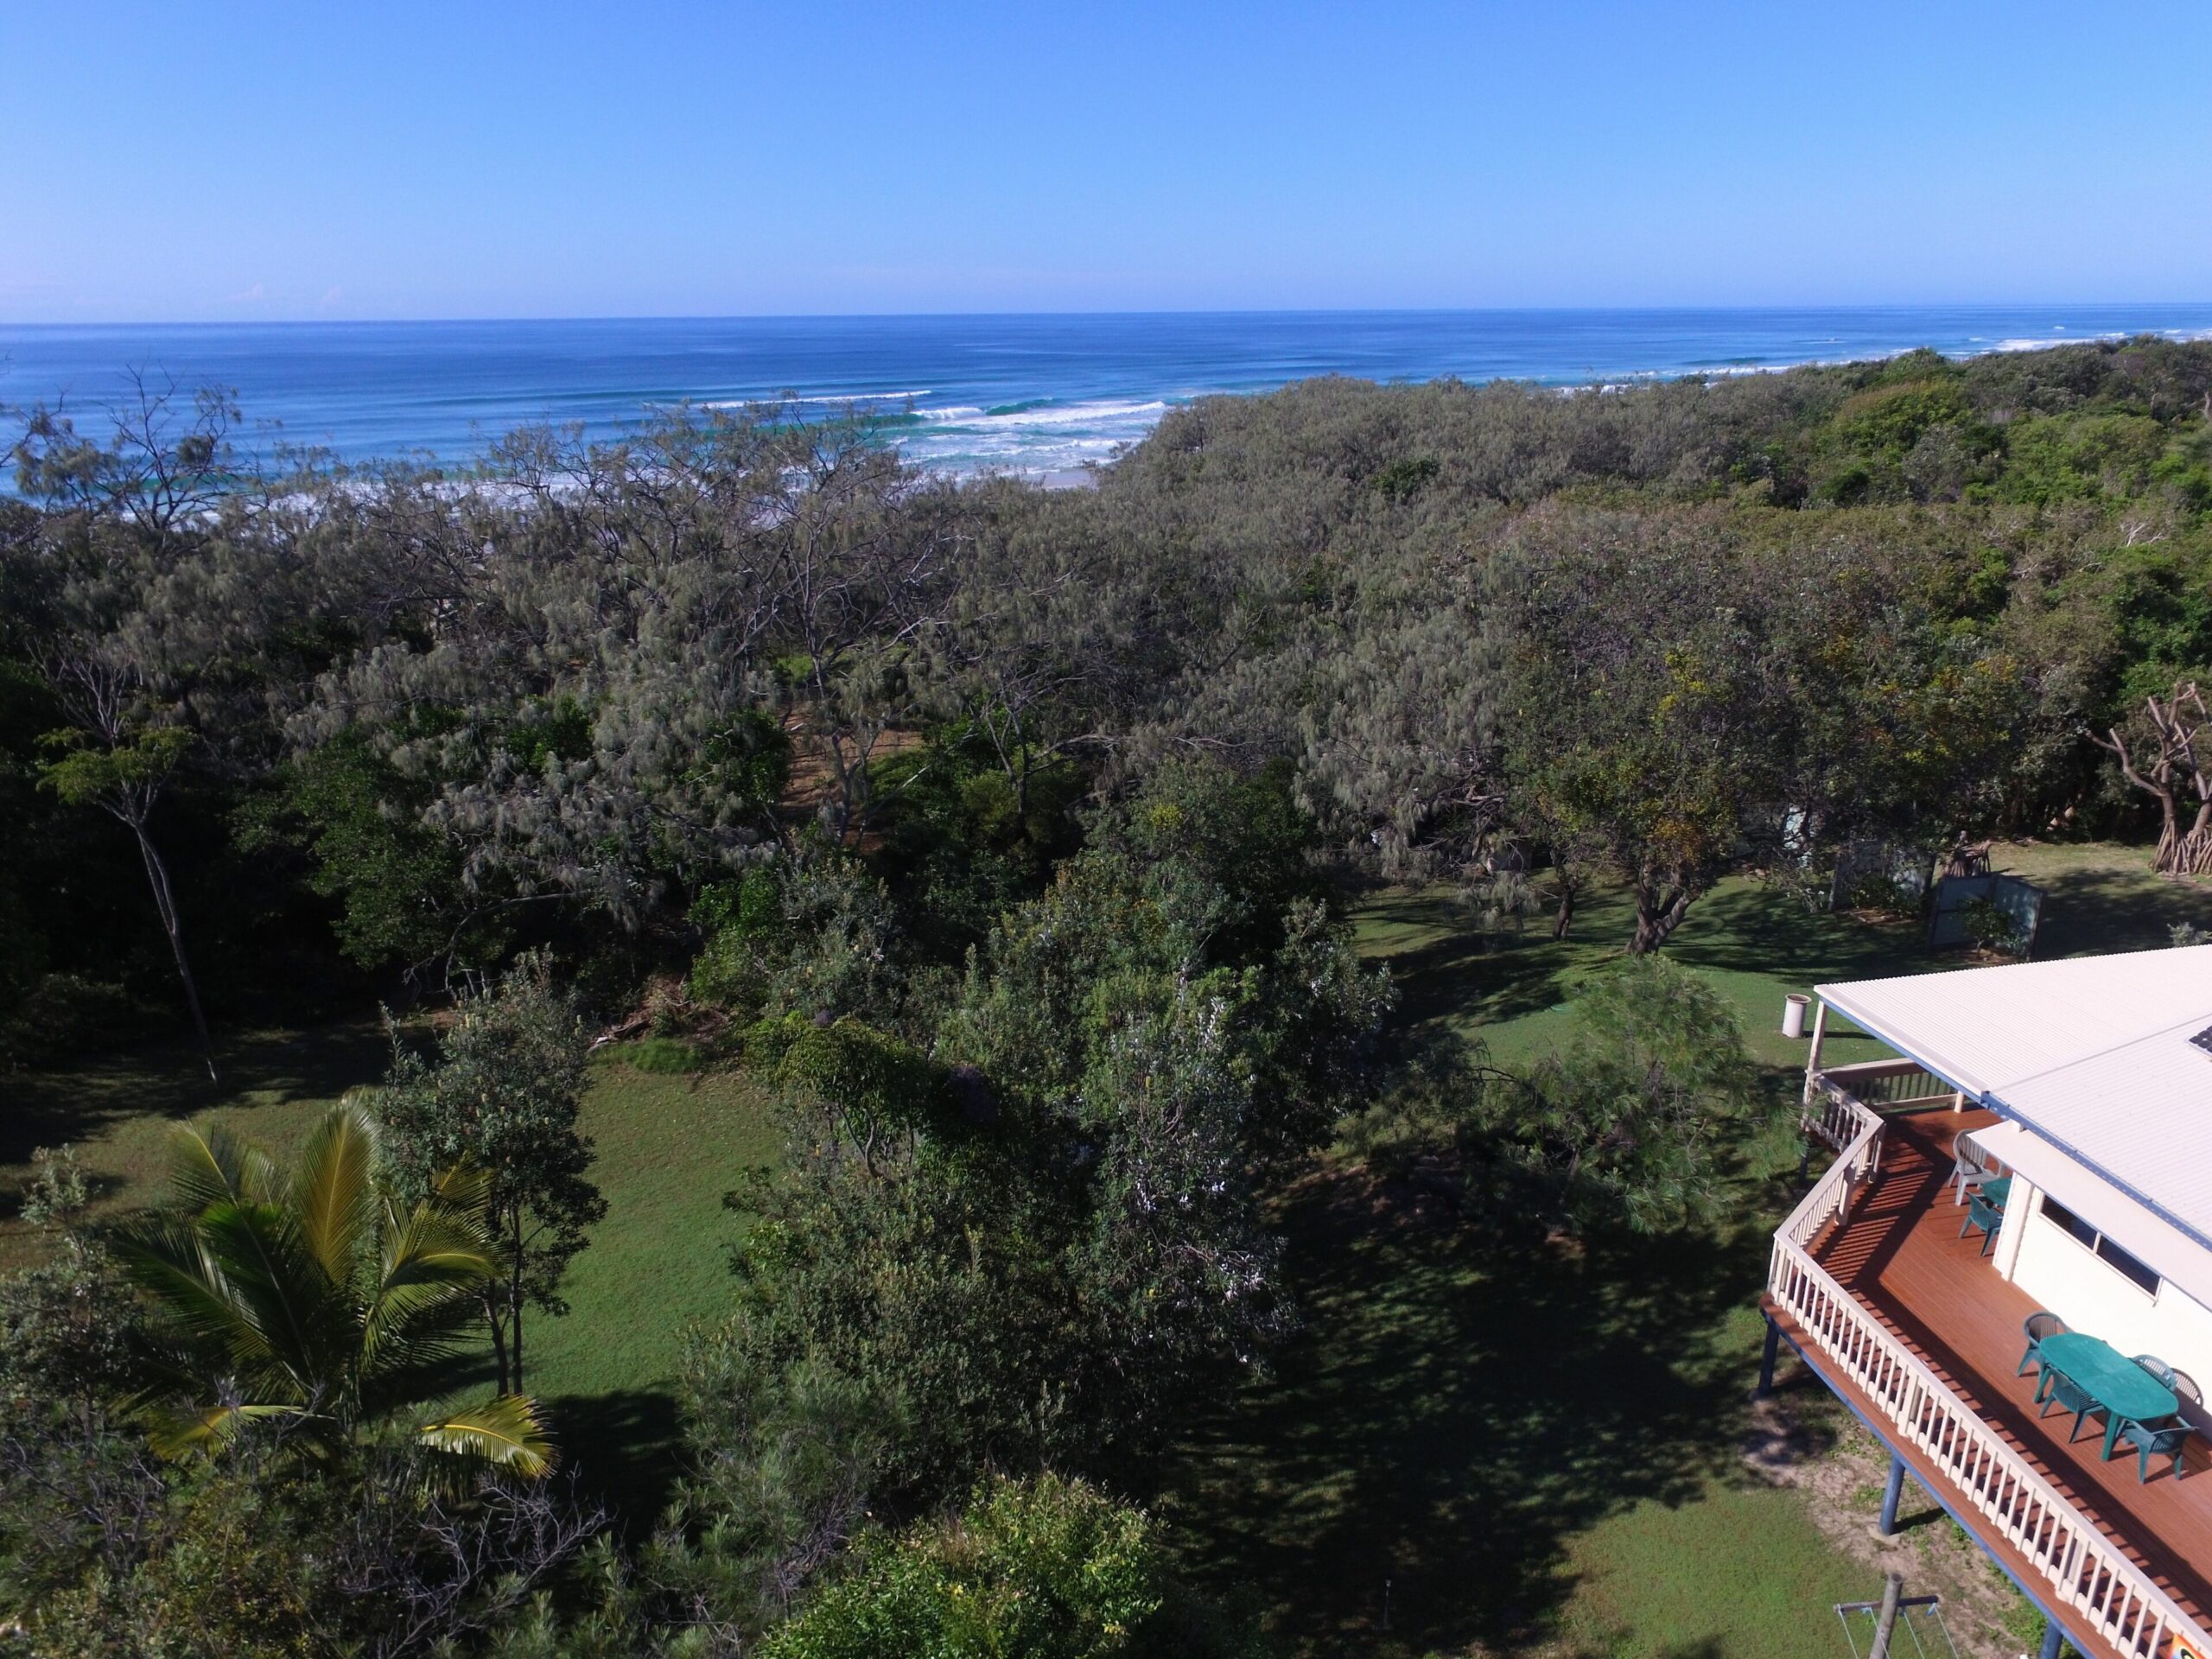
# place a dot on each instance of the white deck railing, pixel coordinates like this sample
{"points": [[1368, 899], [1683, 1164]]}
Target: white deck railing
{"points": [[1886, 1083], [2081, 1569]]}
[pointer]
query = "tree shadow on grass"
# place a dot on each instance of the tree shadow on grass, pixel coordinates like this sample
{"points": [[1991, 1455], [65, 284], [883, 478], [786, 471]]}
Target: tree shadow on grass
{"points": [[1456, 1413], [1748, 927], [627, 1448], [1449, 969], [70, 1102], [2092, 910]]}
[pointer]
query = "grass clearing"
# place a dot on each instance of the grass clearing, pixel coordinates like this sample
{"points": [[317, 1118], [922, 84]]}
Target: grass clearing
{"points": [[669, 1147]]}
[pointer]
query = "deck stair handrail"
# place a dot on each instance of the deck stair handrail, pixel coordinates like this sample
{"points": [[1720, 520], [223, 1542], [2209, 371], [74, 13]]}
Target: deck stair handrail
{"points": [[2081, 1568]]}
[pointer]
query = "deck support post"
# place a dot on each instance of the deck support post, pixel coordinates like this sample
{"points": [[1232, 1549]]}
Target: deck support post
{"points": [[1767, 1357], [1813, 1054], [1890, 1494], [2053, 1639]]}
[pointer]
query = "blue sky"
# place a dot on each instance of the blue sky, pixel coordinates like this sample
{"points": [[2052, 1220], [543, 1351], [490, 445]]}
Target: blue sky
{"points": [[468, 160]]}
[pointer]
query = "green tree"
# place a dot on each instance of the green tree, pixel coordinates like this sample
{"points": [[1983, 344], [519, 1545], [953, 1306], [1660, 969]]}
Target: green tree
{"points": [[79, 1492], [397, 879], [319, 1298], [122, 768], [1628, 1124], [105, 588], [500, 1099], [1648, 710]]}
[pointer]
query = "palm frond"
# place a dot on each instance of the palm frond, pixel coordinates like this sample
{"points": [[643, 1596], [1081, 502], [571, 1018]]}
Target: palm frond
{"points": [[177, 1432], [462, 1190], [507, 1431], [430, 1260], [166, 1257], [334, 1190], [209, 1164], [308, 1323]]}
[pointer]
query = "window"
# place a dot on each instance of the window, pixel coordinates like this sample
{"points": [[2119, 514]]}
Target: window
{"points": [[2129, 1266]]}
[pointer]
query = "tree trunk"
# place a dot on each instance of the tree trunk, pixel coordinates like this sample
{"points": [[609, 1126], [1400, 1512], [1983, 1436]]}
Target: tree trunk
{"points": [[2192, 850], [1660, 907], [157, 875], [1563, 917], [498, 1329], [514, 1301]]}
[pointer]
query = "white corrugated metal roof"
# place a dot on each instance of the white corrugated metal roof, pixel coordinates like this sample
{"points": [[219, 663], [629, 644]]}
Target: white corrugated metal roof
{"points": [[1983, 1028], [2147, 1236], [2092, 1054]]}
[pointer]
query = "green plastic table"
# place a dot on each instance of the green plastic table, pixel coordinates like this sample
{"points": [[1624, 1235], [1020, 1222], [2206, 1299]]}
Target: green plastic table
{"points": [[2127, 1392]]}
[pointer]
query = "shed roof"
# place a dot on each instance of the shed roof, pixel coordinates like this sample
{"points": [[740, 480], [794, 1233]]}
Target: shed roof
{"points": [[2094, 1054]]}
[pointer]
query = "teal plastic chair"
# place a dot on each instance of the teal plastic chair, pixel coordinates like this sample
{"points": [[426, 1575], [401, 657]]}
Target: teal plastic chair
{"points": [[2058, 1390], [2036, 1327], [2180, 1381], [2160, 1439], [1985, 1215]]}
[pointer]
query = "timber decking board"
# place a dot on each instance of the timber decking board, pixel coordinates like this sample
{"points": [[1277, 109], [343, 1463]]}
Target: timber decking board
{"points": [[1901, 1257]]}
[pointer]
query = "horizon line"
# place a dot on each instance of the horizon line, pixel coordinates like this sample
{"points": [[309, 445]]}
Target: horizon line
{"points": [[1695, 309]]}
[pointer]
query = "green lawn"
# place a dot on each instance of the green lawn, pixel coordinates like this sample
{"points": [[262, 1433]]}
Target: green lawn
{"points": [[116, 1110], [1534, 1449], [668, 1148]]}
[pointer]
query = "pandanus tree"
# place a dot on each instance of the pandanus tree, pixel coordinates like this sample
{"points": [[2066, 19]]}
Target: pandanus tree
{"points": [[317, 1300], [2167, 769]]}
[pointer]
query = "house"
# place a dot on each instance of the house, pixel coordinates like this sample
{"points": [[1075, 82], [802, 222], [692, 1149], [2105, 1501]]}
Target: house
{"points": [[2041, 1143]]}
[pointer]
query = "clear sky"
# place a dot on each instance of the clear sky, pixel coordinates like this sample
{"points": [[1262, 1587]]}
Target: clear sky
{"points": [[469, 159]]}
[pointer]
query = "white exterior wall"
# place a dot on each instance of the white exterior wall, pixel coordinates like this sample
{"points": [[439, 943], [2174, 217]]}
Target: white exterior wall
{"points": [[2064, 1275]]}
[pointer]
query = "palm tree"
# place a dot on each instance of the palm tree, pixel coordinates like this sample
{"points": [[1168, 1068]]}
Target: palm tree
{"points": [[315, 1298]]}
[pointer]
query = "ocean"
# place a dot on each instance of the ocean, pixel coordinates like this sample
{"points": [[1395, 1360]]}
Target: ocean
{"points": [[1039, 395]]}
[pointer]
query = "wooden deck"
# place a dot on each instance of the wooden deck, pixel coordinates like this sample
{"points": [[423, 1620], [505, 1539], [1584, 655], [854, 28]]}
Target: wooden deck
{"points": [[1901, 1256]]}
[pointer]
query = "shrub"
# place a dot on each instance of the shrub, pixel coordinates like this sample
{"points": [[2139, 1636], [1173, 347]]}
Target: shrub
{"points": [[810, 936], [1044, 1568], [1882, 893], [665, 1056], [1989, 926], [64, 1014]]}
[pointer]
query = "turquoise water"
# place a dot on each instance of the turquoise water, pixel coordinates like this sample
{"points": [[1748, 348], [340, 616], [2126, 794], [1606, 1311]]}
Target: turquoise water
{"points": [[1028, 394]]}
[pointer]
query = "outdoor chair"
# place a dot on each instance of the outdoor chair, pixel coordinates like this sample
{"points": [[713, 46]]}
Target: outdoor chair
{"points": [[2180, 1381], [1985, 1215], [2036, 1326], [2063, 1394], [2165, 1439], [1970, 1168]]}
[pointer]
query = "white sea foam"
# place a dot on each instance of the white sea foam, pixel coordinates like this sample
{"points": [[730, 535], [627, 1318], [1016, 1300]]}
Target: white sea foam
{"points": [[1061, 415], [831, 399], [2060, 336]]}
